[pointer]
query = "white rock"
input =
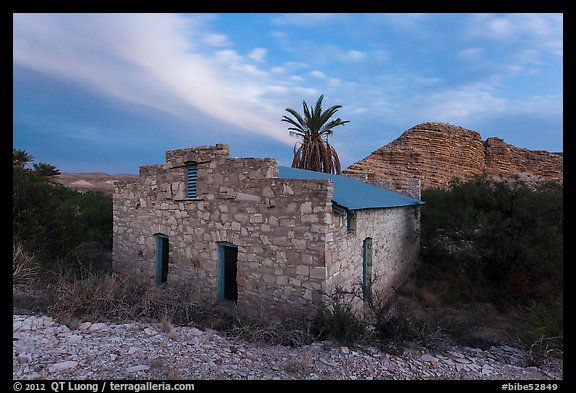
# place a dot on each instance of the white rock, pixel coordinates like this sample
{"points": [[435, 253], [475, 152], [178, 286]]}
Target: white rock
{"points": [[140, 367], [487, 370], [150, 332], [98, 326], [63, 366], [85, 326], [428, 358]]}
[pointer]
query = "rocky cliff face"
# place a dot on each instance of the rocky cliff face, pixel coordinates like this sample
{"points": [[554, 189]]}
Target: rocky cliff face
{"points": [[438, 152]]}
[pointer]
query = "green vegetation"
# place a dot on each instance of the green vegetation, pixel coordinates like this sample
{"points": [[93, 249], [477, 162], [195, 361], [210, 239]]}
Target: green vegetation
{"points": [[314, 152], [496, 242], [54, 223]]}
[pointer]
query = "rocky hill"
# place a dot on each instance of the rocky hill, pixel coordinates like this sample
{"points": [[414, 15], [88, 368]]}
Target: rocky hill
{"points": [[438, 152]]}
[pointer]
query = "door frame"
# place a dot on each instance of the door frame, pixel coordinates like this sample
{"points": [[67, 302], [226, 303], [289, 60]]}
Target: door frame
{"points": [[367, 255], [162, 259], [222, 246]]}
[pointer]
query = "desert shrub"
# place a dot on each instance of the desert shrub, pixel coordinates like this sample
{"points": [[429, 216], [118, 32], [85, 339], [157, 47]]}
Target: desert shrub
{"points": [[287, 333], [56, 222], [24, 265], [397, 328], [542, 332], [175, 300], [97, 297], [498, 239], [338, 321]]}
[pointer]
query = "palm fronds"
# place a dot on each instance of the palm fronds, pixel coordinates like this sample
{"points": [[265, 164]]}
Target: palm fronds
{"points": [[314, 152]]}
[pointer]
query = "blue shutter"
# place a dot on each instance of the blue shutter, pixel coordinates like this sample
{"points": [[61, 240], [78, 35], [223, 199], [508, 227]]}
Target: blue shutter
{"points": [[191, 176]]}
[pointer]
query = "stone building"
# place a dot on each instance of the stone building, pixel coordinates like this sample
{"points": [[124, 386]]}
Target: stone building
{"points": [[273, 241]]}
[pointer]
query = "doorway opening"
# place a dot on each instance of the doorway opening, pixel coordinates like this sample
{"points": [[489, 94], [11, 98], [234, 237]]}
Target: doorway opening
{"points": [[162, 254], [227, 271], [367, 270]]}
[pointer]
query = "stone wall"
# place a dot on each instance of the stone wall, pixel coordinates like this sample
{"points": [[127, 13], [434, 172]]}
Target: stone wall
{"points": [[277, 225], [292, 248], [439, 152], [395, 235]]}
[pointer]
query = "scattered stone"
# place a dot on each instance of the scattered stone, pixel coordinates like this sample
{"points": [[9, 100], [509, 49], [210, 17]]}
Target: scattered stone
{"points": [[429, 358], [118, 351], [487, 370], [98, 326], [140, 367], [63, 365], [150, 332]]}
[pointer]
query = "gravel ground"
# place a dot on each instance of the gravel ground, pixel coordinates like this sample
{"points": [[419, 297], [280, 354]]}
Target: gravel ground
{"points": [[44, 349]]}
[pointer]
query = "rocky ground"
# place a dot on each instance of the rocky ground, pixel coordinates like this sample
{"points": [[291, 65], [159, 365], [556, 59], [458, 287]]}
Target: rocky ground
{"points": [[44, 349]]}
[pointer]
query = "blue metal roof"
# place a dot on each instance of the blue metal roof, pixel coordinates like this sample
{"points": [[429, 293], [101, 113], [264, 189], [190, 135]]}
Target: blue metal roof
{"points": [[351, 193]]}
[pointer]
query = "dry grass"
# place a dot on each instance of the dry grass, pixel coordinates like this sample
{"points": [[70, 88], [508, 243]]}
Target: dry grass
{"points": [[274, 333], [24, 265], [115, 298], [97, 297]]}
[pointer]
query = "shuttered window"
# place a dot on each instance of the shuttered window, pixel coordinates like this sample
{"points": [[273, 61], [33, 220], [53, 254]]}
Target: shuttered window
{"points": [[191, 176]]}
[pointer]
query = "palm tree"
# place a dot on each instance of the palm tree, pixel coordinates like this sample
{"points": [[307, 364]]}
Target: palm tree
{"points": [[45, 171], [20, 158], [314, 152]]}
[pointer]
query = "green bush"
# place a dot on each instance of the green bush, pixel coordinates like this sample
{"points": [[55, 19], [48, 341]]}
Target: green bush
{"points": [[543, 321], [500, 239], [54, 222]]}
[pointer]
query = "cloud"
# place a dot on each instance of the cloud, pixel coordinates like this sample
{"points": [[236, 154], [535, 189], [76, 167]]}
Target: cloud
{"points": [[307, 19], [161, 66], [539, 31], [217, 40], [257, 54], [318, 74], [228, 56], [353, 55]]}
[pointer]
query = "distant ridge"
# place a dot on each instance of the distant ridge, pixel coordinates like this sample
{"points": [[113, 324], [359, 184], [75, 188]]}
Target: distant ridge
{"points": [[92, 181], [439, 152]]}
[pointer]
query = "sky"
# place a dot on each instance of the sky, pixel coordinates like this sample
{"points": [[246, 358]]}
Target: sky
{"points": [[110, 92]]}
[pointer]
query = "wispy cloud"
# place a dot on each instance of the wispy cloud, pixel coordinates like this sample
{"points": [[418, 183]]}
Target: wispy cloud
{"points": [[257, 54], [308, 20], [540, 31], [216, 39], [158, 66], [388, 71]]}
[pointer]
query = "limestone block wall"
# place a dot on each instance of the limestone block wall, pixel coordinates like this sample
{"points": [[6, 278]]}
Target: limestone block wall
{"points": [[278, 225], [395, 238]]}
